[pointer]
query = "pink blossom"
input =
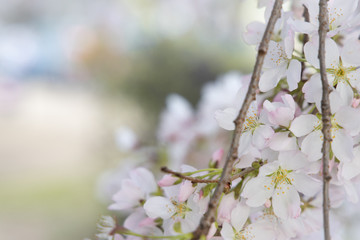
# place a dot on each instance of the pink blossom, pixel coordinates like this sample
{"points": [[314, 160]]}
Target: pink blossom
{"points": [[218, 155], [167, 180]]}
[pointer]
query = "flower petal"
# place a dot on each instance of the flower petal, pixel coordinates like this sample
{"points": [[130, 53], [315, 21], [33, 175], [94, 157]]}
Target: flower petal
{"points": [[186, 189], [312, 145], [159, 207], [304, 124], [260, 231], [311, 50], [225, 118], [351, 51], [254, 32], [342, 145], [261, 136], [286, 202], [239, 215], [351, 192], [245, 142], [268, 168], [144, 179], [281, 142], [271, 77], [336, 101], [293, 74], [128, 196], [312, 90], [227, 204], [227, 232], [257, 191], [339, 12], [345, 92], [348, 118], [293, 160], [352, 169], [302, 27], [305, 184]]}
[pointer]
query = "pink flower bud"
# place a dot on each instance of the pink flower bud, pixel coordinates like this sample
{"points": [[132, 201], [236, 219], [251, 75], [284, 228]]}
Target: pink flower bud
{"points": [[278, 96], [218, 155], [186, 189], [167, 180]]}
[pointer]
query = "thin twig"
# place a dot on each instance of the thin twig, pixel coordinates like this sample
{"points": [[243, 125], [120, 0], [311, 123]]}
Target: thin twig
{"points": [[192, 179], [199, 180], [243, 173], [209, 216], [326, 114]]}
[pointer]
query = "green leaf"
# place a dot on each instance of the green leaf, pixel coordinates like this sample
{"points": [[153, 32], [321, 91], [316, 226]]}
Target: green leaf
{"points": [[208, 188]]}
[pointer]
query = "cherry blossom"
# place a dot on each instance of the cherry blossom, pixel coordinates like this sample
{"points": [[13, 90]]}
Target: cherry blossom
{"points": [[343, 75], [256, 231], [281, 113], [254, 131], [281, 180], [134, 190], [279, 63], [173, 211], [341, 15], [139, 223], [342, 130]]}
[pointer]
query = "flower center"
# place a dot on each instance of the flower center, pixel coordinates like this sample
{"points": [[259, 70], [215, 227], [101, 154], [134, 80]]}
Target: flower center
{"points": [[278, 55], [251, 123], [180, 209], [245, 234], [280, 177], [334, 127], [340, 73], [333, 16], [334, 124]]}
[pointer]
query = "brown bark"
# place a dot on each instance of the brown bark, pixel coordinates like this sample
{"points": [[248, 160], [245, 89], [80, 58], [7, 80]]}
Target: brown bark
{"points": [[225, 179], [326, 115]]}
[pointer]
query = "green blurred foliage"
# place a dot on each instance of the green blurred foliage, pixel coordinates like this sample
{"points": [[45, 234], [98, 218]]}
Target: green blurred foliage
{"points": [[179, 66]]}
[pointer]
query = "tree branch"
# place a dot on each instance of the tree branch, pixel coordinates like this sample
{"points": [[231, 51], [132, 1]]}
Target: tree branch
{"points": [[199, 180], [326, 114], [192, 179], [209, 216]]}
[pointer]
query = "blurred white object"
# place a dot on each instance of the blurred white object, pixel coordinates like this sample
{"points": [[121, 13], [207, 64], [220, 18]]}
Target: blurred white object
{"points": [[125, 138]]}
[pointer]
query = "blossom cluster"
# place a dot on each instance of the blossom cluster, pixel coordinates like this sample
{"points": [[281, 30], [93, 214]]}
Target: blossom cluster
{"points": [[275, 188]]}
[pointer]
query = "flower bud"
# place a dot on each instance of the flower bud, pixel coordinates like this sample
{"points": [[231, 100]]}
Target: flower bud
{"points": [[255, 165], [167, 180], [218, 155]]}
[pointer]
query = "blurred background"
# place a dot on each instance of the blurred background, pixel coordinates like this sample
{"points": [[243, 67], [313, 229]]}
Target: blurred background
{"points": [[73, 74]]}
